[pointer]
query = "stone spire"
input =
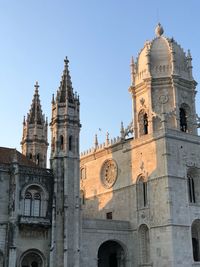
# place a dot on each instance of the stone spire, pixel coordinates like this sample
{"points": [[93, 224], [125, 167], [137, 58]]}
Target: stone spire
{"points": [[65, 91], [34, 140], [35, 114]]}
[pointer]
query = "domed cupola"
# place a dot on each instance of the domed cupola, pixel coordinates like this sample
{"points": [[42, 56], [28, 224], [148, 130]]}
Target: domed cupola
{"points": [[162, 57]]}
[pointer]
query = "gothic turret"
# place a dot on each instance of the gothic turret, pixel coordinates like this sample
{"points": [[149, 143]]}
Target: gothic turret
{"points": [[65, 128], [34, 140]]}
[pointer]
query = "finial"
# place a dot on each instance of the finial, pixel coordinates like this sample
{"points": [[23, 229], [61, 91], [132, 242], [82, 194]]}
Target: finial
{"points": [[159, 30], [96, 141], [36, 86], [122, 130], [107, 139], [66, 62]]}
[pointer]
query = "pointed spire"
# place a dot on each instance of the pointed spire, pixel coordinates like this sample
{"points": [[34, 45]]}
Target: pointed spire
{"points": [[65, 91], [132, 65], [35, 114]]}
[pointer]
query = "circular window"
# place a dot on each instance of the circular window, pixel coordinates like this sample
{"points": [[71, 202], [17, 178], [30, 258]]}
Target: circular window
{"points": [[109, 173]]}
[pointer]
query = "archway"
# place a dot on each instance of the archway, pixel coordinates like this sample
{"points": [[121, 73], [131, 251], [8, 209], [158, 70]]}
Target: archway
{"points": [[111, 254], [32, 259]]}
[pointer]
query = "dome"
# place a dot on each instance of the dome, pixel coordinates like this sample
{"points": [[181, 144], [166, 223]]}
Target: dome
{"points": [[162, 57]]}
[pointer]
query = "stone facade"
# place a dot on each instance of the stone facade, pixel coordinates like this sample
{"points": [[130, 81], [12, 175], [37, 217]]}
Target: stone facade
{"points": [[132, 201]]}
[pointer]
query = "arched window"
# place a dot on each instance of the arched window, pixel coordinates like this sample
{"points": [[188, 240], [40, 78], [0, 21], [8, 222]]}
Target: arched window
{"points": [[33, 201], [196, 240], [32, 258], [144, 244], [82, 194], [61, 142], [143, 123], [27, 204], [36, 204], [70, 143], [38, 159], [183, 120], [191, 190], [142, 193], [193, 185]]}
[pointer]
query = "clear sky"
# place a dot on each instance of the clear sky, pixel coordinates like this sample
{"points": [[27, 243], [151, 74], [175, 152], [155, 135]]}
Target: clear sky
{"points": [[99, 37]]}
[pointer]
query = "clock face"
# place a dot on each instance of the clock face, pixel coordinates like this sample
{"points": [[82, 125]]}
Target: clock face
{"points": [[108, 173]]}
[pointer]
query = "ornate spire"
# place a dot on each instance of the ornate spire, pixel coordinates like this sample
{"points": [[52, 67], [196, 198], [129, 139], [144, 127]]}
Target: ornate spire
{"points": [[35, 113], [34, 140], [65, 91]]}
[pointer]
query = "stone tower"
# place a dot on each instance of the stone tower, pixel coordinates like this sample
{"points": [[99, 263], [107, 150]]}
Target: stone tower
{"points": [[34, 140], [166, 143], [65, 128]]}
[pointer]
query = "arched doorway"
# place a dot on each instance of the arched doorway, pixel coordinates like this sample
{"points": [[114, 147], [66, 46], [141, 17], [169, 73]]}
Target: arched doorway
{"points": [[32, 259], [111, 254]]}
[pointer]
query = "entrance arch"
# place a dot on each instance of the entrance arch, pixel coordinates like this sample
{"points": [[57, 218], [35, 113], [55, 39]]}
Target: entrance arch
{"points": [[111, 254], [32, 258]]}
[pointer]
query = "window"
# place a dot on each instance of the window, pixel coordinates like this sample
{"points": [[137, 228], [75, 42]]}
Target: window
{"points": [[82, 194], [61, 142], [191, 191], [30, 156], [196, 239], [109, 216], [142, 193], [143, 123], [144, 244], [32, 201], [27, 204], [183, 120], [38, 159], [70, 143]]}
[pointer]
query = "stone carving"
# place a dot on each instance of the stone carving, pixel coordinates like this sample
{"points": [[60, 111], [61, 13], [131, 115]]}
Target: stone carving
{"points": [[142, 101], [163, 99], [109, 173]]}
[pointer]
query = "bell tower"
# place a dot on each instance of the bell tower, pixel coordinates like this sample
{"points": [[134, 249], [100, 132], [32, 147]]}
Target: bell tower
{"points": [[34, 140], [167, 145], [162, 87], [65, 128]]}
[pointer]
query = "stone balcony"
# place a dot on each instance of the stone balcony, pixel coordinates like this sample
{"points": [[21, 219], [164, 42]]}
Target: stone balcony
{"points": [[34, 221]]}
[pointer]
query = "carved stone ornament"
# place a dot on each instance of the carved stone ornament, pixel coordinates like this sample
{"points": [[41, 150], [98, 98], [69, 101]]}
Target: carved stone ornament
{"points": [[109, 173], [163, 99], [142, 101]]}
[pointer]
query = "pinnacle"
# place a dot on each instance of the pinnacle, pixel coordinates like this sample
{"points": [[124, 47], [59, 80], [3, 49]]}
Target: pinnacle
{"points": [[35, 113], [65, 91]]}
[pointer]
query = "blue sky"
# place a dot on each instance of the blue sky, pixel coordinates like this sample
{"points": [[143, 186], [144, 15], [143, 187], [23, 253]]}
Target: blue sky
{"points": [[99, 38]]}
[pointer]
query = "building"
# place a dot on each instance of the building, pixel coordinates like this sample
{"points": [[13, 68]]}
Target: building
{"points": [[137, 200]]}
